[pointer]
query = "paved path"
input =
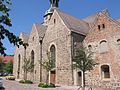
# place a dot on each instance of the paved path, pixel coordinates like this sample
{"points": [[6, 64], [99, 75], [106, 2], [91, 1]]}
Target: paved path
{"points": [[15, 85]]}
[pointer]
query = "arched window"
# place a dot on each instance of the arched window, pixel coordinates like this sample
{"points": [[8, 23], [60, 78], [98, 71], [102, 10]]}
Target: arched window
{"points": [[53, 54], [103, 46], [32, 57], [118, 42], [105, 71], [18, 72], [19, 58], [90, 47]]}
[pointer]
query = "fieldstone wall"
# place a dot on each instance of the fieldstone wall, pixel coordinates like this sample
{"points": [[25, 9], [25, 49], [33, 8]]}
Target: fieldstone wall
{"points": [[111, 33], [35, 47], [18, 51], [58, 35], [66, 42]]}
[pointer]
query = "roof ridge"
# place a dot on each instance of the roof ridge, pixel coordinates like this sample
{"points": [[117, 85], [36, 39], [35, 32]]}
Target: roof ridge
{"points": [[41, 29], [71, 16], [74, 24]]}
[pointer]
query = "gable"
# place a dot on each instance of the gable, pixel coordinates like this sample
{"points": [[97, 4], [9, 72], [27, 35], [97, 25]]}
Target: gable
{"points": [[103, 27], [41, 29], [103, 17], [24, 37], [72, 23], [57, 26], [56, 19], [33, 35]]}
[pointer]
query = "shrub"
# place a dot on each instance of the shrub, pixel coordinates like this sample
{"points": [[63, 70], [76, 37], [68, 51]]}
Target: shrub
{"points": [[21, 81], [45, 85], [26, 81], [10, 77], [51, 85], [41, 84]]}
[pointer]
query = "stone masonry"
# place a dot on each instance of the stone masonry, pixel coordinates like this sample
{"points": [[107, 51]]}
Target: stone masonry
{"points": [[99, 32]]}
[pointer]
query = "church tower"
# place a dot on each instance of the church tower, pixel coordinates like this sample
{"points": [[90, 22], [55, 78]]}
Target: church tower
{"points": [[54, 4]]}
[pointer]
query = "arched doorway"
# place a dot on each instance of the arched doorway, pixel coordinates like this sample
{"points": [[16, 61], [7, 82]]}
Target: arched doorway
{"points": [[52, 76], [79, 79], [53, 57], [18, 72]]}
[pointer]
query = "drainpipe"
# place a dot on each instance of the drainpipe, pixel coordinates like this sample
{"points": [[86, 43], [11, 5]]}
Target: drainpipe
{"points": [[72, 54], [40, 41]]}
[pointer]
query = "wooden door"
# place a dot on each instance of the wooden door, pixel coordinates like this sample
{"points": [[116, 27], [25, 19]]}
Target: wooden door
{"points": [[80, 78], [52, 77]]}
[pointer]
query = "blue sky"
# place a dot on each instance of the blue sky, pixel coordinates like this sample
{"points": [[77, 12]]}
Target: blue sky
{"points": [[26, 12]]}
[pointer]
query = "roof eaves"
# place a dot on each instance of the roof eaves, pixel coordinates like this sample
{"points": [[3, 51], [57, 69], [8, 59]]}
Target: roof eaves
{"points": [[78, 31]]}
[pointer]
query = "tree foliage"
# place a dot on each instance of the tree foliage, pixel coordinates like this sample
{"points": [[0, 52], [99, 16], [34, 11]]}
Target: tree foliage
{"points": [[5, 23], [48, 64], [83, 60], [2, 64], [6, 67], [28, 66], [9, 67]]}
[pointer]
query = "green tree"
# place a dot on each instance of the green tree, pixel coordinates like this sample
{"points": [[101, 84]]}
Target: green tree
{"points": [[5, 24], [48, 65], [2, 64], [83, 61], [9, 67], [28, 66]]}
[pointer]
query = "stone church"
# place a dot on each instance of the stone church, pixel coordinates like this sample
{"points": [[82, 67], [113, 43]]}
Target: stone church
{"points": [[61, 34]]}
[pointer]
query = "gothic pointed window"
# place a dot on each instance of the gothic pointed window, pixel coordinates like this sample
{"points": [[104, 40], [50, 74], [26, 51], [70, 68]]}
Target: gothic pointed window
{"points": [[19, 58], [105, 71], [32, 57], [53, 54], [54, 21], [33, 38], [18, 72]]}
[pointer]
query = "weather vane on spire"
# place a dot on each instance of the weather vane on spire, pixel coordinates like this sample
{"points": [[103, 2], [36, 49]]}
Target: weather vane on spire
{"points": [[54, 3]]}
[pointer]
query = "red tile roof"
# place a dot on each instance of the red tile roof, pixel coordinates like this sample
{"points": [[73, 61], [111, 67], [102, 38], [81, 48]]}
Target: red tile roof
{"points": [[7, 58]]}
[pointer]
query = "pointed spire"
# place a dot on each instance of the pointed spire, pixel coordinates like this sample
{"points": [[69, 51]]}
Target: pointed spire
{"points": [[54, 3], [106, 12]]}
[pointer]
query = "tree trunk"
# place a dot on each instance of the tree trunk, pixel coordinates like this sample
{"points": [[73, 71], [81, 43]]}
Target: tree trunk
{"points": [[25, 75], [47, 81], [83, 80]]}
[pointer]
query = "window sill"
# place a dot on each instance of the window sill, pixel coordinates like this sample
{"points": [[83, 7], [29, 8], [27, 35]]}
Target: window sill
{"points": [[106, 79], [104, 52]]}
